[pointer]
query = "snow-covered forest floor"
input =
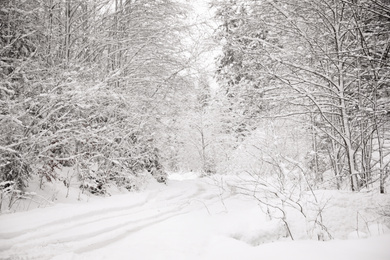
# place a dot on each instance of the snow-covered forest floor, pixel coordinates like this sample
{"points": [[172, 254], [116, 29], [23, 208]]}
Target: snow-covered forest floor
{"points": [[196, 218]]}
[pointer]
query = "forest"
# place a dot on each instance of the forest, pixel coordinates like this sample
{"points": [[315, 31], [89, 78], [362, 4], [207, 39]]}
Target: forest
{"points": [[115, 88], [286, 97]]}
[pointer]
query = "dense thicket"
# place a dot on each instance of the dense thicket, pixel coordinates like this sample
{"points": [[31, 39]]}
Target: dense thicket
{"points": [[99, 86], [323, 63], [81, 84]]}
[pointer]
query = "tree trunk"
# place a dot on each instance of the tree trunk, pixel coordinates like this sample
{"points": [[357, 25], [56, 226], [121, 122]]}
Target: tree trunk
{"points": [[347, 139], [67, 31], [319, 176], [346, 131]]}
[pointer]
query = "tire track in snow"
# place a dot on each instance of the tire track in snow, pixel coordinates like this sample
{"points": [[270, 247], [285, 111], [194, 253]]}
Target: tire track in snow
{"points": [[29, 237], [76, 218], [47, 232], [93, 214], [124, 234], [96, 236], [103, 227]]}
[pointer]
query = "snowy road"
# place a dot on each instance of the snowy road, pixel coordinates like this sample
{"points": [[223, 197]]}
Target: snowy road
{"points": [[80, 229], [185, 220]]}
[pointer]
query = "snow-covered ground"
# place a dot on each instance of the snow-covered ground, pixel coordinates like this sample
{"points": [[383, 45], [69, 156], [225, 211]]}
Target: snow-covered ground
{"points": [[190, 218]]}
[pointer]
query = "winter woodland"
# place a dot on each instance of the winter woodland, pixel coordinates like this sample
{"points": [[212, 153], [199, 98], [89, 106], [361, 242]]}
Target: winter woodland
{"points": [[180, 129]]}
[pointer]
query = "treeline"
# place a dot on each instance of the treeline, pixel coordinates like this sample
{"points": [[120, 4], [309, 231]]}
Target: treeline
{"points": [[81, 83], [323, 64]]}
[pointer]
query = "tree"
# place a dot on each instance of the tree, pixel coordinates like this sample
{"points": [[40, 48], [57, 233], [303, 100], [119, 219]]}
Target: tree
{"points": [[82, 83], [312, 56]]}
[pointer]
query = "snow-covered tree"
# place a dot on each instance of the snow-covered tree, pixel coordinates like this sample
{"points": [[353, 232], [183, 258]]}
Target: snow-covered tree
{"points": [[82, 83], [316, 61]]}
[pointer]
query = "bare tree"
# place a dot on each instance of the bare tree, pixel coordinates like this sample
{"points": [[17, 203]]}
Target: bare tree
{"points": [[308, 58]]}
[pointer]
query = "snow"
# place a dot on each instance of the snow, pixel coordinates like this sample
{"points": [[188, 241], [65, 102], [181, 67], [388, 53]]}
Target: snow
{"points": [[190, 218], [179, 176]]}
